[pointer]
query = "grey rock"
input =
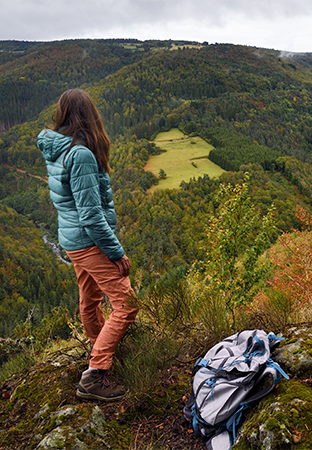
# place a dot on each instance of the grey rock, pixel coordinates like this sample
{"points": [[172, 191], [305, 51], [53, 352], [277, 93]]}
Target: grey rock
{"points": [[294, 357], [64, 412], [57, 439], [66, 437]]}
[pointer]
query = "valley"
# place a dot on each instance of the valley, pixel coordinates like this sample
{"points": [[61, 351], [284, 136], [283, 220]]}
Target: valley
{"points": [[211, 158]]}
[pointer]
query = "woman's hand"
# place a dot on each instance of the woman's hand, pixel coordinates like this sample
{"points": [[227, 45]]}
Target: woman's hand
{"points": [[123, 265]]}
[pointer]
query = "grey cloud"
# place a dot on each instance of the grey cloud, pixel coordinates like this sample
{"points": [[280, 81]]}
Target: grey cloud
{"points": [[146, 19]]}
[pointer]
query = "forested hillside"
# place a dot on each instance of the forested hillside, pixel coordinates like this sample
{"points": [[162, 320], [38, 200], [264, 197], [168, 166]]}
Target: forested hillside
{"points": [[32, 281], [32, 75], [253, 105]]}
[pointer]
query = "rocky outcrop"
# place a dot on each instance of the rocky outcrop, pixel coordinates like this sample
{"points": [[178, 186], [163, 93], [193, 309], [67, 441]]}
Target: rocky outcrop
{"points": [[39, 410], [295, 354], [42, 412], [283, 420], [72, 437]]}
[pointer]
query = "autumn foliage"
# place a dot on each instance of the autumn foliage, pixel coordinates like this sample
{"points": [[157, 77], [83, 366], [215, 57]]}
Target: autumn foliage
{"points": [[289, 294]]}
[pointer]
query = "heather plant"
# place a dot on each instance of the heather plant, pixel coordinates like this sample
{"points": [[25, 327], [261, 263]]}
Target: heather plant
{"points": [[161, 334], [167, 304], [142, 358], [15, 363], [273, 309]]}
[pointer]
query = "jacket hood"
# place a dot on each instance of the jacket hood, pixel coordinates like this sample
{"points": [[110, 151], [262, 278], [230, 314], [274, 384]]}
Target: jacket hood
{"points": [[52, 144]]}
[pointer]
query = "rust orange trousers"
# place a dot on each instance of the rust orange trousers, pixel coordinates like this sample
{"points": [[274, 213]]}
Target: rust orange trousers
{"points": [[98, 275]]}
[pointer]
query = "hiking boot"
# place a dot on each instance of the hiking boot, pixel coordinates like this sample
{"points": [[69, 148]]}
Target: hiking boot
{"points": [[96, 384]]}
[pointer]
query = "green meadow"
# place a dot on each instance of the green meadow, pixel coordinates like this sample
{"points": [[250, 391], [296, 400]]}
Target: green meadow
{"points": [[177, 47], [185, 157]]}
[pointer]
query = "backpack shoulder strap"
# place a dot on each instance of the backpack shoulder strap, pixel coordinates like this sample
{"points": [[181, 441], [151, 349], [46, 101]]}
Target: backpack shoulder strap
{"points": [[276, 372]]}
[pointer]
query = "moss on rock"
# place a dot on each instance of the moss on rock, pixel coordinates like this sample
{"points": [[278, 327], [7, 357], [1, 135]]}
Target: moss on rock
{"points": [[44, 413], [281, 421], [36, 417], [295, 354]]}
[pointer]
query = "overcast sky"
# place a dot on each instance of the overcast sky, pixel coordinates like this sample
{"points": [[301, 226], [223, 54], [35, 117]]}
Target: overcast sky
{"points": [[278, 24]]}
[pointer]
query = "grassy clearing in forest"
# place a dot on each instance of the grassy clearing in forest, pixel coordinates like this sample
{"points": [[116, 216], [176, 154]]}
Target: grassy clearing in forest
{"points": [[182, 46], [185, 157]]}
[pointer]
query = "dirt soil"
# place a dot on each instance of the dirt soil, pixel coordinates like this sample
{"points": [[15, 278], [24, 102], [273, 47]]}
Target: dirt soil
{"points": [[170, 428], [172, 431]]}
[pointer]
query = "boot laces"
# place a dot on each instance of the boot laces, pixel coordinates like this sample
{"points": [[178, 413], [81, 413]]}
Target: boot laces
{"points": [[108, 382], [104, 380]]}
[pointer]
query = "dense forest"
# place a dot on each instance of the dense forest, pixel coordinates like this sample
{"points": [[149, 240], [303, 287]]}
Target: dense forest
{"points": [[252, 105]]}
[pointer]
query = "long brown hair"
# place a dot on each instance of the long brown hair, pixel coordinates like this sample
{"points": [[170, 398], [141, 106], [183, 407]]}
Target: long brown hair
{"points": [[77, 116]]}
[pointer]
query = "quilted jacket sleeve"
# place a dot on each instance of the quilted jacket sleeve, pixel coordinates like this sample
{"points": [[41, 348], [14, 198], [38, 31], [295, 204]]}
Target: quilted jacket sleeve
{"points": [[84, 182]]}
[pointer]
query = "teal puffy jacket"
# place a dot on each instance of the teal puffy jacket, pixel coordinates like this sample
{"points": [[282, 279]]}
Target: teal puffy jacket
{"points": [[81, 194]]}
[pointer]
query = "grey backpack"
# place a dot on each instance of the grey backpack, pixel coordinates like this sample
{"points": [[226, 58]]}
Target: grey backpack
{"points": [[232, 375]]}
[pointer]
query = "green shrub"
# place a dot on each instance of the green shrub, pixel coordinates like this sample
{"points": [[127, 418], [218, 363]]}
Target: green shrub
{"points": [[15, 364], [142, 358]]}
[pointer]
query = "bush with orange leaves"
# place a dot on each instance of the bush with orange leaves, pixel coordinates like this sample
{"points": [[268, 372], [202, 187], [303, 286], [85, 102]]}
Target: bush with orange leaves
{"points": [[288, 299]]}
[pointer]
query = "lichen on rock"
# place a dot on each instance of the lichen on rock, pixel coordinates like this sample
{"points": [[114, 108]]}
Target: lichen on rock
{"points": [[295, 355], [89, 432]]}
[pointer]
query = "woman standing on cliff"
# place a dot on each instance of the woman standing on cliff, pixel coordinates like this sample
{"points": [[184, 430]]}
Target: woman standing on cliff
{"points": [[76, 151]]}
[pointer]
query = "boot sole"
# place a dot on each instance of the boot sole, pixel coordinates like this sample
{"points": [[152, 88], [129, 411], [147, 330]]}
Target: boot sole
{"points": [[87, 396]]}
